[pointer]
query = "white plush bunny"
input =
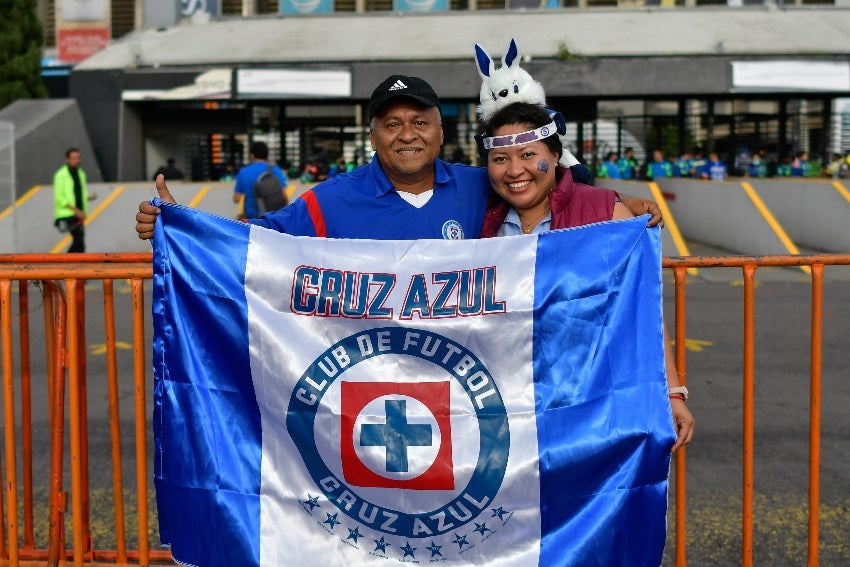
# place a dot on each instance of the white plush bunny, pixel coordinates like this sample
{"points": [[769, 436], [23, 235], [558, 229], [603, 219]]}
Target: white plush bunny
{"points": [[508, 84]]}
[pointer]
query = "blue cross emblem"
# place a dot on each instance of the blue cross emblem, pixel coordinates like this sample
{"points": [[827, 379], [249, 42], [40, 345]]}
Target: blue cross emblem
{"points": [[396, 435]]}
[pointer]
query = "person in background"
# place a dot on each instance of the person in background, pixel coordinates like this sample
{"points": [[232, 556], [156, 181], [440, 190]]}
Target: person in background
{"points": [[757, 166], [608, 169], [169, 170], [627, 164], [799, 163], [336, 167], [658, 168], [812, 167], [784, 167], [229, 173], [684, 166], [243, 191], [310, 173], [698, 163], [715, 170], [71, 200], [839, 166]]}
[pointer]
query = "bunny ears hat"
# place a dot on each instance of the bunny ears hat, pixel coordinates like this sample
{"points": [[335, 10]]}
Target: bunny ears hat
{"points": [[505, 85]]}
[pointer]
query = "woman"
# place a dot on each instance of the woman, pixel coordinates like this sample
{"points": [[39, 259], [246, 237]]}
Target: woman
{"points": [[532, 194]]}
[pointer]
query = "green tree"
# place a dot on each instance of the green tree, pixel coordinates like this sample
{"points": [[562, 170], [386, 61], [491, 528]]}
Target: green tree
{"points": [[20, 51]]}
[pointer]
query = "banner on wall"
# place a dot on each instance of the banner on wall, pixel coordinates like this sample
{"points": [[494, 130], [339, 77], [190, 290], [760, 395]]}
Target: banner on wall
{"points": [[83, 27], [188, 8], [306, 6], [420, 5]]}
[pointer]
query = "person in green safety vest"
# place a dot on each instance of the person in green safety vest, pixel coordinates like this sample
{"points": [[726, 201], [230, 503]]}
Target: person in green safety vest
{"points": [[71, 199]]}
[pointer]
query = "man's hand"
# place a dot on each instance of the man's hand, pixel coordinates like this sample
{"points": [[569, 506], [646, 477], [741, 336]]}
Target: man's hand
{"points": [[146, 217], [640, 207]]}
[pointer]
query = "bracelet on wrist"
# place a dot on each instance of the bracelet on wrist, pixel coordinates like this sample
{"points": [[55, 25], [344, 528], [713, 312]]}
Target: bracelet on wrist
{"points": [[677, 397], [678, 390]]}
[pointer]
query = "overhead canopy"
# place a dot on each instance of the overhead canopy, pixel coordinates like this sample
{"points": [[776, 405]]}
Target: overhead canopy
{"points": [[444, 36]]}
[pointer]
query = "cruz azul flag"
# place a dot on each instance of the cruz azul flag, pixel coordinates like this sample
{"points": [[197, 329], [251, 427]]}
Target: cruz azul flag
{"points": [[324, 402]]}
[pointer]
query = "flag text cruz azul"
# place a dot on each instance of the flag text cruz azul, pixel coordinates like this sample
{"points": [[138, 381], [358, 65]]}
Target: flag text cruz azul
{"points": [[328, 292]]}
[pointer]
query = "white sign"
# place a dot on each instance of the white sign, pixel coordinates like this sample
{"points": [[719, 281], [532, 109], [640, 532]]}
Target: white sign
{"points": [[282, 83], [211, 84], [83, 10], [791, 75]]}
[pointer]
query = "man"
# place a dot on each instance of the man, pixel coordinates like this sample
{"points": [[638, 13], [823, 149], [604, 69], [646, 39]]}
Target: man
{"points": [[658, 168], [715, 170], [757, 167], [71, 199], [628, 164], [608, 168], [405, 193], [698, 163], [248, 176], [684, 166]]}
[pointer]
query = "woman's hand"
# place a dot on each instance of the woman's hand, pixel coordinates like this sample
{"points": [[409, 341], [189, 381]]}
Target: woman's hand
{"points": [[683, 422]]}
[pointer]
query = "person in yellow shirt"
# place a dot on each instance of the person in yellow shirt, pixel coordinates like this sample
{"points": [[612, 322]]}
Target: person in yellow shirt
{"points": [[71, 199]]}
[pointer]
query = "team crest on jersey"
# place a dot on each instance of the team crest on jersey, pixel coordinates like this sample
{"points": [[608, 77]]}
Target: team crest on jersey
{"points": [[452, 230], [392, 409]]}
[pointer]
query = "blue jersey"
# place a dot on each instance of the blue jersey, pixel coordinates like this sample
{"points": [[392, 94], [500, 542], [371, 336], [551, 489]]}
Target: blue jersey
{"points": [[659, 169], [627, 167], [683, 167], [364, 204], [245, 180], [609, 170], [716, 170]]}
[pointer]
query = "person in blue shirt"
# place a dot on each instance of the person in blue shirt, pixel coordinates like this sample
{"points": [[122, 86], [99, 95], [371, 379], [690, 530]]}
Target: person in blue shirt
{"points": [[784, 167], [244, 190], [628, 164], [698, 163], [715, 169], [658, 168], [405, 193], [757, 166], [608, 169], [799, 164], [684, 166]]}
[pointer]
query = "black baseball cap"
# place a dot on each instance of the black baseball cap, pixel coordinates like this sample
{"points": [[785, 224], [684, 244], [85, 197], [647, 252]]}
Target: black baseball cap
{"points": [[397, 86]]}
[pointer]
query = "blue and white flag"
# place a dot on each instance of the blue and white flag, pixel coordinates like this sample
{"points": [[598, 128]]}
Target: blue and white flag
{"points": [[327, 402]]}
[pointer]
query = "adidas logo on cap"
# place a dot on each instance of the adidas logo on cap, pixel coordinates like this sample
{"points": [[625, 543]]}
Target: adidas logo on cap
{"points": [[402, 86]]}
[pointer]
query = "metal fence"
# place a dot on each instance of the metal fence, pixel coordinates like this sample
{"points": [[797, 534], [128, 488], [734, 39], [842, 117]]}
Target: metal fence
{"points": [[39, 528], [8, 187]]}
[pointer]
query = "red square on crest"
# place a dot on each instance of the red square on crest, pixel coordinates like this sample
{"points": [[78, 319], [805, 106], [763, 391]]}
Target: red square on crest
{"points": [[433, 395]]}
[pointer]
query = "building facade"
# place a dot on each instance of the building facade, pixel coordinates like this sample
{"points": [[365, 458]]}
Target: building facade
{"points": [[734, 80]]}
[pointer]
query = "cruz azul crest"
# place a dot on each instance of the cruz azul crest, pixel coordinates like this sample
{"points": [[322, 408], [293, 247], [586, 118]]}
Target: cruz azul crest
{"points": [[442, 438]]}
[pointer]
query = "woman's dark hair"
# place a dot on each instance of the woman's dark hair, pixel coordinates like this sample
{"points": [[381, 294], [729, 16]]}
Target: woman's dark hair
{"points": [[524, 113]]}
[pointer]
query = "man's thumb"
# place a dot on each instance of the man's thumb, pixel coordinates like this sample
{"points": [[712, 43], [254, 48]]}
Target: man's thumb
{"points": [[162, 189]]}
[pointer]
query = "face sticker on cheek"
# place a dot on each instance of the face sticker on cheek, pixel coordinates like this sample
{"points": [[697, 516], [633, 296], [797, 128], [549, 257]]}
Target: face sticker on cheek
{"points": [[543, 166]]}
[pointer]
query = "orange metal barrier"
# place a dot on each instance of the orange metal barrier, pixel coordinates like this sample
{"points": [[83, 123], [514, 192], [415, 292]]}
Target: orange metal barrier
{"points": [[749, 264], [61, 279]]}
